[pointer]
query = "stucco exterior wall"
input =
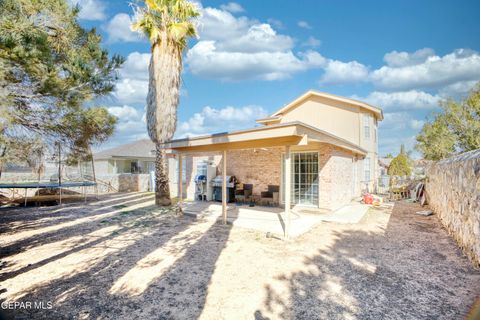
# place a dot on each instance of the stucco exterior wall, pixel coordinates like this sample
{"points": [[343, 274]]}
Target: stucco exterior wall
{"points": [[453, 190], [101, 167], [332, 116], [345, 121]]}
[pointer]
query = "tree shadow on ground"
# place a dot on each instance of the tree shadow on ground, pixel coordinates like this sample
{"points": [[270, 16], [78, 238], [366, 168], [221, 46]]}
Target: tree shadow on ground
{"points": [[16, 219], [412, 271], [151, 266], [84, 220]]}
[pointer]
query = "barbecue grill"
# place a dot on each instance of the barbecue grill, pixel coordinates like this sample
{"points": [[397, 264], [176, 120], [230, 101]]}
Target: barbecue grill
{"points": [[217, 188]]}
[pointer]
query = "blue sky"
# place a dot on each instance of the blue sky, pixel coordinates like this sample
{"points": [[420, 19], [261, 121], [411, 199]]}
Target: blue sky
{"points": [[252, 57]]}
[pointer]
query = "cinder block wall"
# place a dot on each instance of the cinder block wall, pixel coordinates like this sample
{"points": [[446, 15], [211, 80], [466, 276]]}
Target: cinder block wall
{"points": [[453, 190]]}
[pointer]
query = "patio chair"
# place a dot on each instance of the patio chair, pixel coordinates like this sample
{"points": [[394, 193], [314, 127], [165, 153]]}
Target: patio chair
{"points": [[271, 196], [243, 193]]}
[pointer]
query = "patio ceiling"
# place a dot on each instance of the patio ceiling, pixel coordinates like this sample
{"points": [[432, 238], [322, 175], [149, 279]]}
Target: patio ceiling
{"points": [[285, 134]]}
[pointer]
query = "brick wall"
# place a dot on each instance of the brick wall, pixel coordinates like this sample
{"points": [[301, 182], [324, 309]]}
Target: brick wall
{"points": [[260, 167], [341, 181]]}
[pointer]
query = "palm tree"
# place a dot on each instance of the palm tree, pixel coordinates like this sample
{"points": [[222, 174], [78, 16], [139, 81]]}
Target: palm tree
{"points": [[168, 24]]}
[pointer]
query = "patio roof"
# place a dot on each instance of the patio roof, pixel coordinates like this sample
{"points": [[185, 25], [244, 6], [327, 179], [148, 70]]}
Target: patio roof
{"points": [[285, 134]]}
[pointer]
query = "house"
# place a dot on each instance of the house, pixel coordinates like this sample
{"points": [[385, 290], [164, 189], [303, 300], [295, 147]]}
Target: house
{"points": [[383, 164], [320, 148], [130, 167], [133, 157]]}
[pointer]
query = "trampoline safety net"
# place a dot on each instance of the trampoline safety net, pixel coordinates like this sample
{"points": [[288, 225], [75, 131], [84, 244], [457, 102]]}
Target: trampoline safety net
{"points": [[50, 179]]}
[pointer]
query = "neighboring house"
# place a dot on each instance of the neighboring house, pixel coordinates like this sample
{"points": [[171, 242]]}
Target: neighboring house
{"points": [[420, 168], [383, 164], [127, 167], [383, 183], [134, 157], [331, 142]]}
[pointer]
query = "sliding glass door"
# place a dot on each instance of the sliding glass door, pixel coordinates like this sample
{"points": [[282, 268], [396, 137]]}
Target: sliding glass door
{"points": [[304, 178]]}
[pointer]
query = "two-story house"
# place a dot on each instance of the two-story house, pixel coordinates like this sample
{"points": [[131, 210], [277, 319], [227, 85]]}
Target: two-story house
{"points": [[320, 148]]}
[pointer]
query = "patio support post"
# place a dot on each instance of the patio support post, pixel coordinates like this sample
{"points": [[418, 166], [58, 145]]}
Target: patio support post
{"points": [[180, 180], [288, 184], [224, 187]]}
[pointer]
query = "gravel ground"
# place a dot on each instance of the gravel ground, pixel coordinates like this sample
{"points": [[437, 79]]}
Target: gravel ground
{"points": [[123, 258]]}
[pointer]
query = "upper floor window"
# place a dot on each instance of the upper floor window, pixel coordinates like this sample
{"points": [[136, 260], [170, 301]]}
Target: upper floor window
{"points": [[366, 125]]}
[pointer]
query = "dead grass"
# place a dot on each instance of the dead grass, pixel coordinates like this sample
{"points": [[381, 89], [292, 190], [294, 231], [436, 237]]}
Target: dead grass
{"points": [[123, 258]]}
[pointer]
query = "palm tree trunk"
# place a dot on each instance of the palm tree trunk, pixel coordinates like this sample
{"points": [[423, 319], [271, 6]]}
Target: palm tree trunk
{"points": [[162, 188], [162, 102]]}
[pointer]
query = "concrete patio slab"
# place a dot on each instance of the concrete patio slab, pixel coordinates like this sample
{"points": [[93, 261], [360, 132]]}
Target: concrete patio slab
{"points": [[351, 213], [272, 219]]}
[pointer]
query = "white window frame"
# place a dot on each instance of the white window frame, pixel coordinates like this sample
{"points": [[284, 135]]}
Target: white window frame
{"points": [[366, 126], [282, 178], [366, 169]]}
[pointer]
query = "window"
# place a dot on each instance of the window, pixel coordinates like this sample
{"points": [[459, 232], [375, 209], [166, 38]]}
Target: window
{"points": [[184, 169], [366, 125], [304, 178], [366, 168]]}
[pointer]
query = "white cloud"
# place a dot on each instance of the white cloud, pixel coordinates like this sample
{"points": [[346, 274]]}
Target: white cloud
{"points": [[452, 75], [434, 72], [232, 7], [124, 113], [213, 120], [458, 89], [90, 9], [312, 42], [245, 49], [395, 121], [213, 20], [204, 59], [403, 100], [304, 24], [337, 72], [132, 87], [131, 123], [402, 59], [118, 29], [136, 66], [258, 38], [416, 124], [276, 23], [131, 91]]}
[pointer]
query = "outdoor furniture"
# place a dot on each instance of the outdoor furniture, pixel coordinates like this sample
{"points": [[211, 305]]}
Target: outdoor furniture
{"points": [[244, 192], [271, 196]]}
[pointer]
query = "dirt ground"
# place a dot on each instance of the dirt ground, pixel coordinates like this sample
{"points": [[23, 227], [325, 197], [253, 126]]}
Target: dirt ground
{"points": [[123, 258]]}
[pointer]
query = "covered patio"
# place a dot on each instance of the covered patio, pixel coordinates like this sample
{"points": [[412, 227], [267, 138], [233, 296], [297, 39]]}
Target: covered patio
{"points": [[292, 137]]}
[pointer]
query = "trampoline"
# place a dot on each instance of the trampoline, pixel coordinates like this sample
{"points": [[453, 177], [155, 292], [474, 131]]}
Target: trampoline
{"points": [[47, 185], [51, 172]]}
